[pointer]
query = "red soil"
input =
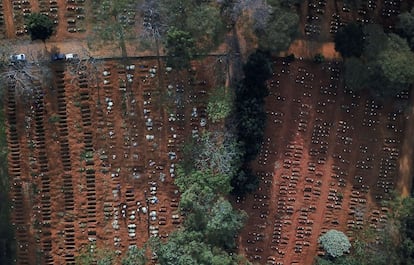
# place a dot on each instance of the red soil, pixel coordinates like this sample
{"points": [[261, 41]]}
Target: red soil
{"points": [[84, 156], [310, 165]]}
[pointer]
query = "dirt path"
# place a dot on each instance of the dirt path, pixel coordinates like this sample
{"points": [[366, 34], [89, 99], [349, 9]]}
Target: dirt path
{"points": [[308, 49], [406, 160], [8, 9]]}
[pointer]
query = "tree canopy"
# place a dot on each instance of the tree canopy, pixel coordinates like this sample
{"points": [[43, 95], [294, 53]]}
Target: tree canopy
{"points": [[180, 47], [39, 26], [275, 26], [335, 243], [405, 26], [219, 104], [384, 67], [396, 61], [134, 256], [349, 40], [112, 23]]}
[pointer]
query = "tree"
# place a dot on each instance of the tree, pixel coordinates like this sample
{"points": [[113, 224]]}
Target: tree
{"points": [[39, 26], [188, 248], [219, 152], [278, 30], [375, 41], [113, 23], [349, 40], [244, 181], [319, 58], [219, 104], [257, 70], [134, 256], [217, 183], [223, 224], [90, 253], [405, 26], [335, 243], [205, 25], [356, 77], [180, 48], [396, 61]]}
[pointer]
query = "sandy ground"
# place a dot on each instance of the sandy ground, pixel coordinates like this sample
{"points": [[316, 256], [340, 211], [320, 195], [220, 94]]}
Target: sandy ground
{"points": [[406, 161], [308, 49]]}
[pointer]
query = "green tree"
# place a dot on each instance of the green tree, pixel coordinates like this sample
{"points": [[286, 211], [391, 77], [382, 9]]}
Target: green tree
{"points": [[396, 61], [188, 248], [223, 224], [405, 26], [349, 40], [112, 23], [39, 26], [218, 183], [219, 152], [355, 75], [375, 41], [134, 256], [205, 25], [180, 47], [335, 243], [219, 104], [278, 30]]}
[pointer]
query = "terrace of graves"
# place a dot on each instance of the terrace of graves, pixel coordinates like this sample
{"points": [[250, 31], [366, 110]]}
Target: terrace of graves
{"points": [[328, 158], [93, 157]]}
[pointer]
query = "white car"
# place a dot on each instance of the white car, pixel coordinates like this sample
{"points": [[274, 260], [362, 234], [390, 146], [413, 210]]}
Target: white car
{"points": [[18, 57], [71, 56]]}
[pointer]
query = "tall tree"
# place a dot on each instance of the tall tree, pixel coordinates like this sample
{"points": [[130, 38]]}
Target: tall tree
{"points": [[276, 30], [113, 23], [39, 26], [405, 26], [349, 40], [335, 242], [396, 61], [180, 47]]}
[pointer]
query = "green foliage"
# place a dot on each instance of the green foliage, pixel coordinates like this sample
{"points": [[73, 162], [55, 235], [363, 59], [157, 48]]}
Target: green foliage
{"points": [[90, 253], [134, 256], [223, 224], [220, 153], [375, 41], [218, 183], [355, 75], [319, 58], [205, 25], [405, 26], [250, 115], [188, 248], [392, 245], [257, 70], [180, 47], [54, 118], [335, 243], [39, 26], [349, 40], [219, 104], [111, 23], [280, 29], [385, 67], [244, 181], [396, 62]]}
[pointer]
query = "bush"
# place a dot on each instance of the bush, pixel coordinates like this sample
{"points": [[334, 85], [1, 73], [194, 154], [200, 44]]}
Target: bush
{"points": [[335, 243]]}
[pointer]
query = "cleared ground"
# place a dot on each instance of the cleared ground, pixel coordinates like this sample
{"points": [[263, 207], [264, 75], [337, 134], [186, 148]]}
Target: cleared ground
{"points": [[327, 160], [92, 157]]}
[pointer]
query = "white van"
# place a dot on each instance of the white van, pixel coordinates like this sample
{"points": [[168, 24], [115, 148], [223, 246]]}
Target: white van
{"points": [[71, 56]]}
